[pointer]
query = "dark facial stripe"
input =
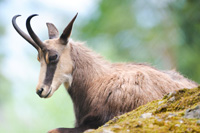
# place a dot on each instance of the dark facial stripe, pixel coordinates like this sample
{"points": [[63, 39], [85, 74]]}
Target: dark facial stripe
{"points": [[51, 68]]}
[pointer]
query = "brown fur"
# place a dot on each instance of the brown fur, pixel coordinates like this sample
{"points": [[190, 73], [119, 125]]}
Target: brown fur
{"points": [[101, 90]]}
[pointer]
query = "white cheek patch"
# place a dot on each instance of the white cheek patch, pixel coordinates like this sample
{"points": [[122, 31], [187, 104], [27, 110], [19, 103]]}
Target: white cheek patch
{"points": [[60, 78], [68, 80]]}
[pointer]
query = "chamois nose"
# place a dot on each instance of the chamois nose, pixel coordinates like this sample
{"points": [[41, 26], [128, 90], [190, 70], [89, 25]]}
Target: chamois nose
{"points": [[39, 92]]}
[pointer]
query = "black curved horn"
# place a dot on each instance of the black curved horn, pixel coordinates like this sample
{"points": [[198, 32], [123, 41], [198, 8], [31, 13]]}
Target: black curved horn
{"points": [[23, 34], [32, 34]]}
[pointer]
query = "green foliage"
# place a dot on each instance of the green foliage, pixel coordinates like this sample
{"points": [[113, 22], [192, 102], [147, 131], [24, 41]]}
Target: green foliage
{"points": [[163, 34], [187, 17], [5, 89], [5, 86]]}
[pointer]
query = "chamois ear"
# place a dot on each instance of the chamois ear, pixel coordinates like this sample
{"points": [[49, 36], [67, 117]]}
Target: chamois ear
{"points": [[52, 30], [67, 31]]}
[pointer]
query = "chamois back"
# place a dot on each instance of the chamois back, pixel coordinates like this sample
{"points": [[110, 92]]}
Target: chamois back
{"points": [[104, 90]]}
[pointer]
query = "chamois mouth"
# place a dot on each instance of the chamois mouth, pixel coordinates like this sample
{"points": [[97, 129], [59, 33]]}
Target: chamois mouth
{"points": [[48, 92]]}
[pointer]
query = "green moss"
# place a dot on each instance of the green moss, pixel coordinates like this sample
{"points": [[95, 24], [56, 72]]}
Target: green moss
{"points": [[185, 98], [167, 115]]}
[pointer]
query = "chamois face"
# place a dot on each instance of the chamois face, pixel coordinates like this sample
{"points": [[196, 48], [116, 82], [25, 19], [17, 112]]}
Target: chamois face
{"points": [[56, 67], [53, 54]]}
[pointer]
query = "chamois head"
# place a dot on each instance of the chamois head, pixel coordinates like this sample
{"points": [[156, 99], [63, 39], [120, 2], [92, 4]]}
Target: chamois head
{"points": [[53, 54]]}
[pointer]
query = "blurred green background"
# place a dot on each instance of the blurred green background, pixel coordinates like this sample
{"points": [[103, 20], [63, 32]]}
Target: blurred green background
{"points": [[165, 34]]}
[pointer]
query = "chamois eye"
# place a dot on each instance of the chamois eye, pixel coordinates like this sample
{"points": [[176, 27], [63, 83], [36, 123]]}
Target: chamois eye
{"points": [[53, 57]]}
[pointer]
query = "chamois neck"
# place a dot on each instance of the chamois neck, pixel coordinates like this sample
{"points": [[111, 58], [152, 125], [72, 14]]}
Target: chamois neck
{"points": [[87, 64], [88, 67]]}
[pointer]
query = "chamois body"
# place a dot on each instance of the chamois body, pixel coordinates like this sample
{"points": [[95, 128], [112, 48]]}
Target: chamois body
{"points": [[101, 90]]}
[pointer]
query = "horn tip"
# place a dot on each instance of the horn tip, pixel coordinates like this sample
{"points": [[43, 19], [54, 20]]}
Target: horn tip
{"points": [[34, 15], [17, 16], [14, 19], [30, 17]]}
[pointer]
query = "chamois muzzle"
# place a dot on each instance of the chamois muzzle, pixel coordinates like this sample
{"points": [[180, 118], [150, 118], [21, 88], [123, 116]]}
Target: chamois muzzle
{"points": [[44, 91], [39, 92]]}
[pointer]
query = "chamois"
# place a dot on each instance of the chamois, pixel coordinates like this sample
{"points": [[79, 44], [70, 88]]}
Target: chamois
{"points": [[99, 89]]}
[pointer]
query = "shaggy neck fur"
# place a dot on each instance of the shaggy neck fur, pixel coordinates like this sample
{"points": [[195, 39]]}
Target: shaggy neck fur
{"points": [[87, 64], [88, 67]]}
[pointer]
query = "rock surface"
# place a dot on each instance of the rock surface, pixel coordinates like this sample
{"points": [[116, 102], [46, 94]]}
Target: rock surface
{"points": [[176, 112], [193, 113]]}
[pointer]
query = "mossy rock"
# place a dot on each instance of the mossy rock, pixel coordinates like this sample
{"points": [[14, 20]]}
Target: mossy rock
{"points": [[160, 116]]}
